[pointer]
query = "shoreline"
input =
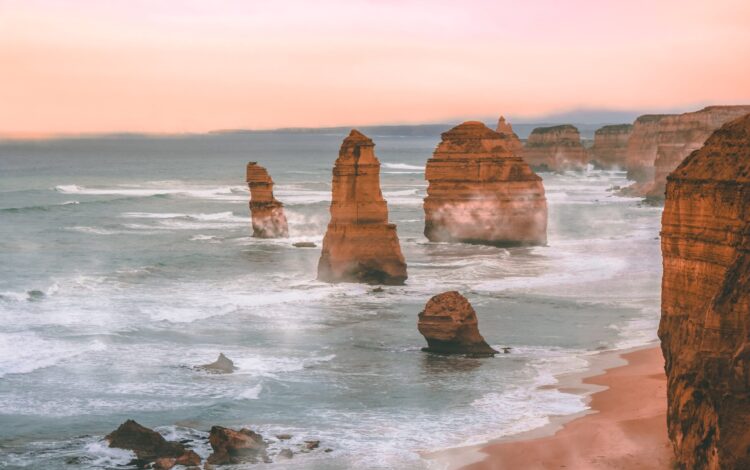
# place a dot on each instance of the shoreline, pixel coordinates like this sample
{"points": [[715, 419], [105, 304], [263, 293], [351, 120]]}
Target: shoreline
{"points": [[578, 440]]}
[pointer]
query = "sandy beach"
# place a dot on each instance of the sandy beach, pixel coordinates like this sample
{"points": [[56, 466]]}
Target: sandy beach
{"points": [[625, 430]]}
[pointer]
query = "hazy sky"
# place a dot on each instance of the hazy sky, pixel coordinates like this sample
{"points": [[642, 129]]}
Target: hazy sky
{"points": [[188, 65]]}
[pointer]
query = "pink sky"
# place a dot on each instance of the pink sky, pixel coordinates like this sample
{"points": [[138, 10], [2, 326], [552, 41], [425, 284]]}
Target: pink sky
{"points": [[192, 66]]}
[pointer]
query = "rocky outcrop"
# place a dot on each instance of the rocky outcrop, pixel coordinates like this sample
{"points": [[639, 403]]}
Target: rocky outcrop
{"points": [[642, 145], [360, 245], [450, 326], [513, 144], [222, 365], [481, 192], [610, 146], [150, 446], [236, 447], [705, 323], [268, 216], [555, 148]]}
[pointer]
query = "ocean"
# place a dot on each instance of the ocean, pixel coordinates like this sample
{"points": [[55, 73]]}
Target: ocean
{"points": [[125, 261]]}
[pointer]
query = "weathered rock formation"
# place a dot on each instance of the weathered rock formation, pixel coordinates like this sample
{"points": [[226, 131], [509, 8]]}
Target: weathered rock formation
{"points": [[150, 446], [514, 144], [236, 447], [360, 245], [682, 134], [610, 146], [449, 324], [555, 148], [642, 145], [705, 323], [481, 192], [222, 365], [268, 216]]}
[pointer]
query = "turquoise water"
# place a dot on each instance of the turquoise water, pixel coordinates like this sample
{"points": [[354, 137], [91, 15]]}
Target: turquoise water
{"points": [[125, 261]]}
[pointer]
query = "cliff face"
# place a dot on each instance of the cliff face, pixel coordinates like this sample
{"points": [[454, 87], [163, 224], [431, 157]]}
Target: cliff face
{"points": [[268, 216], [642, 144], [610, 146], [360, 245], [480, 192], [682, 134], [705, 323], [514, 144], [555, 148]]}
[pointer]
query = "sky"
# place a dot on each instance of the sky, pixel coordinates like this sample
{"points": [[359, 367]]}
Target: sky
{"points": [[85, 66]]}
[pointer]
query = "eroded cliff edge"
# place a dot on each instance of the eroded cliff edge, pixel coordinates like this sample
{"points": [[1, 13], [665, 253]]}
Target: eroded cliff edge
{"points": [[705, 323]]}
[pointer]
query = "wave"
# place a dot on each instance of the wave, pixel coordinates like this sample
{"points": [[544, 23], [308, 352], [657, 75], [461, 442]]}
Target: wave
{"points": [[403, 166], [222, 193], [25, 352]]}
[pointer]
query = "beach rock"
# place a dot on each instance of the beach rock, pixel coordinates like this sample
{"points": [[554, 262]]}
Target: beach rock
{"points": [[450, 326], [304, 245], [705, 322], [360, 245], [610, 146], [481, 192], [513, 143], [283, 437], [268, 216], [222, 365], [235, 447], [147, 444], [555, 148]]}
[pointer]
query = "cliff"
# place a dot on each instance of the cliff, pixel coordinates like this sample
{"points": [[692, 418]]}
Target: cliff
{"points": [[268, 216], [481, 192], [610, 146], [360, 245], [705, 323], [514, 144], [555, 148], [641, 149]]}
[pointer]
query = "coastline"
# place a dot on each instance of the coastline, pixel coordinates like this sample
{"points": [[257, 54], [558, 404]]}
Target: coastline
{"points": [[624, 426]]}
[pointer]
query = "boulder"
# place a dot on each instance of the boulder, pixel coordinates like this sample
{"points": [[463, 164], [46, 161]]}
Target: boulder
{"points": [[148, 445], [235, 447], [222, 365]]}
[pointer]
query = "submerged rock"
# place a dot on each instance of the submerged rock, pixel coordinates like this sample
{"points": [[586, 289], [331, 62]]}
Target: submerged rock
{"points": [[705, 319], [480, 191], [235, 447], [450, 326], [149, 446], [304, 245], [269, 220], [360, 245], [222, 365]]}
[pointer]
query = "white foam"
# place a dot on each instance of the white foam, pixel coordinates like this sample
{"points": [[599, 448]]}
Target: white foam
{"points": [[24, 352], [252, 393], [105, 456], [403, 166]]}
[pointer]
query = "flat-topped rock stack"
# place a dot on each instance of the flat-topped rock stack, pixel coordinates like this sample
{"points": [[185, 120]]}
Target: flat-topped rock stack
{"points": [[360, 245], [642, 145], [705, 322], [610, 146], [555, 148], [481, 192], [268, 218]]}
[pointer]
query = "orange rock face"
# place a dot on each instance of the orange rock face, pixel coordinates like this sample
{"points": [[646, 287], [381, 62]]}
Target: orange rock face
{"points": [[360, 245], [705, 323], [506, 130], [450, 326], [555, 148], [641, 149], [610, 146], [268, 216], [481, 192]]}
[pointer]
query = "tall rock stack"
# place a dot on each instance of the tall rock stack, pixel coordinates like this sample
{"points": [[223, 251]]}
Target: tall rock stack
{"points": [[610, 146], [705, 323], [360, 245], [555, 148], [506, 130], [268, 216], [481, 192], [642, 146]]}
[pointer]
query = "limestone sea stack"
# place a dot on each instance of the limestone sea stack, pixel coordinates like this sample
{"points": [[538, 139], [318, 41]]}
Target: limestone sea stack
{"points": [[360, 245], [555, 148], [268, 216], [506, 130], [481, 192], [680, 135], [642, 144], [610, 146], [450, 326], [705, 322]]}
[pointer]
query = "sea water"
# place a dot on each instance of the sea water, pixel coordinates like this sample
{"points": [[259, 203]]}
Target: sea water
{"points": [[126, 261]]}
